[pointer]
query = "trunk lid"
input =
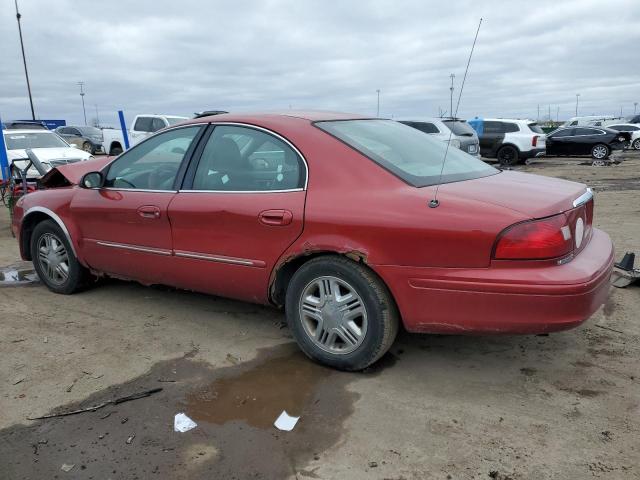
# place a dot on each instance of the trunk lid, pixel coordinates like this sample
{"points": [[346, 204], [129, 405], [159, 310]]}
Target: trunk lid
{"points": [[535, 196]]}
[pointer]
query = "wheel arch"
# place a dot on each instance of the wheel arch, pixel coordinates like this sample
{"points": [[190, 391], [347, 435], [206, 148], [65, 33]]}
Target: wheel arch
{"points": [[288, 266], [33, 217]]}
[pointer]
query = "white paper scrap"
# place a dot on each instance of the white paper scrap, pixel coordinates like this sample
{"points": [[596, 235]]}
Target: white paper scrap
{"points": [[285, 422], [182, 423]]}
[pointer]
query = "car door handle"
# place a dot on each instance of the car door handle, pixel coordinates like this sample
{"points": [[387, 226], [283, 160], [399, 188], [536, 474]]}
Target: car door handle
{"points": [[276, 217], [149, 211]]}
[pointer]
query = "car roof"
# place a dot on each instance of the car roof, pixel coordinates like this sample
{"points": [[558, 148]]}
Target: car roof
{"points": [[421, 119], [26, 130], [509, 120], [309, 115]]}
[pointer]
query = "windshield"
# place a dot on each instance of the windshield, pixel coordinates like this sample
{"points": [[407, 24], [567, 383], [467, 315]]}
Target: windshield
{"points": [[460, 128], [406, 152], [19, 141], [174, 120], [90, 131]]}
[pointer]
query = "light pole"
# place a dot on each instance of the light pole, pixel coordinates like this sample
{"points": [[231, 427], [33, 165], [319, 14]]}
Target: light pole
{"points": [[378, 107], [635, 105], [24, 60], [577, 96], [84, 112], [451, 95]]}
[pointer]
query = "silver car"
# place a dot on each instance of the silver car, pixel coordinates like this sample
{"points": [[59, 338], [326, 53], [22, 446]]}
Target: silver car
{"points": [[459, 131]]}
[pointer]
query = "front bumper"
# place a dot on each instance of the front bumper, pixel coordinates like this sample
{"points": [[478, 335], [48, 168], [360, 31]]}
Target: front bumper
{"points": [[504, 300]]}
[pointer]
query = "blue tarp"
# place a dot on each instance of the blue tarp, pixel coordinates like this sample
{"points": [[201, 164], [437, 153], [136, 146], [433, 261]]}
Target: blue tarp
{"points": [[477, 124]]}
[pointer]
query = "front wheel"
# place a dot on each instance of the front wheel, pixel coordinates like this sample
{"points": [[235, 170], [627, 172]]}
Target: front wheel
{"points": [[599, 152], [87, 147], [54, 261], [507, 156], [340, 313]]}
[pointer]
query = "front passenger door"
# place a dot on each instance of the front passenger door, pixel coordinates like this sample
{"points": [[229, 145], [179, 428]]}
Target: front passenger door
{"points": [[124, 225]]}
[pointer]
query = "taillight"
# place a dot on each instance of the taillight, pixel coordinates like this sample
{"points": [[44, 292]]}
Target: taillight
{"points": [[534, 142], [535, 240]]}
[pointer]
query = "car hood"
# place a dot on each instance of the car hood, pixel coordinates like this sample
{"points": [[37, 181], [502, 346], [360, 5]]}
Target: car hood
{"points": [[535, 196], [46, 154], [73, 172]]}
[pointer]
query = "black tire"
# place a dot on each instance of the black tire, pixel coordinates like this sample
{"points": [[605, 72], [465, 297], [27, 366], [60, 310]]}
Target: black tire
{"points": [[599, 148], [381, 311], [508, 156], [117, 150], [77, 275], [87, 147]]}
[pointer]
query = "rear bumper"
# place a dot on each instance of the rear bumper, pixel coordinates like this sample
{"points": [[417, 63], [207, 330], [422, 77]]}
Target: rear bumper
{"points": [[533, 153], [503, 300]]}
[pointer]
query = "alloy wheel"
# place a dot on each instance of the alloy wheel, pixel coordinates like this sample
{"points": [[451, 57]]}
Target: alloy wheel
{"points": [[599, 151], [333, 315], [86, 146], [636, 144], [53, 258]]}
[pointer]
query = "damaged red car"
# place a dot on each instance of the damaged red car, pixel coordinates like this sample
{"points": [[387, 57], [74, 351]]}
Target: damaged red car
{"points": [[333, 217]]}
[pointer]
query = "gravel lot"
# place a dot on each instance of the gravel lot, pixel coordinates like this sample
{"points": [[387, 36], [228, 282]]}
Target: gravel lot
{"points": [[564, 406]]}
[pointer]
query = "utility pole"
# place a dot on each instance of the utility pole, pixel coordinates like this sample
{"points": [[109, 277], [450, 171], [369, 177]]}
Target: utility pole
{"points": [[378, 108], [24, 60], [635, 105], [550, 120], [557, 114], [84, 112], [451, 99], [577, 96], [97, 116], [538, 117]]}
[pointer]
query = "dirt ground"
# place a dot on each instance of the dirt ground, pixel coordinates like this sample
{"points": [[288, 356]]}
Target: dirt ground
{"points": [[566, 405]]}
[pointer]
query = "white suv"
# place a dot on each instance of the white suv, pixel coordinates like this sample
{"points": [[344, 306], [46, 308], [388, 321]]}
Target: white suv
{"points": [[461, 134], [509, 140]]}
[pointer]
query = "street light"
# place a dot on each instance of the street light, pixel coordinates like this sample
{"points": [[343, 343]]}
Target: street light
{"points": [[451, 95], [24, 60], [577, 95], [635, 105], [84, 112], [378, 108]]}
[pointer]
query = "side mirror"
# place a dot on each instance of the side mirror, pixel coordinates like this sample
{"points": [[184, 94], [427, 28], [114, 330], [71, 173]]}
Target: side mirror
{"points": [[92, 180]]}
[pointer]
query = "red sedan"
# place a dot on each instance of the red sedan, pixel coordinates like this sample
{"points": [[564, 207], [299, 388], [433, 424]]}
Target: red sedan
{"points": [[330, 216]]}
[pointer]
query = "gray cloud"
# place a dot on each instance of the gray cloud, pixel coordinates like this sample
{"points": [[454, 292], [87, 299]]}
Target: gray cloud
{"points": [[181, 57]]}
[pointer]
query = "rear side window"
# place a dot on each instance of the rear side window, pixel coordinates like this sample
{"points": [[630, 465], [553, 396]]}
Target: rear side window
{"points": [[511, 127], [143, 124], [567, 132], [535, 128], [425, 127], [587, 131], [412, 156]]}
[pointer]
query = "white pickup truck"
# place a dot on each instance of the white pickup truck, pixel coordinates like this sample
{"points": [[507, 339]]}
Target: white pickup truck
{"points": [[142, 127]]}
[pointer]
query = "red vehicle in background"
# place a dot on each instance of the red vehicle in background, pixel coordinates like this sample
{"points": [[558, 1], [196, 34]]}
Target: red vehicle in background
{"points": [[327, 215]]}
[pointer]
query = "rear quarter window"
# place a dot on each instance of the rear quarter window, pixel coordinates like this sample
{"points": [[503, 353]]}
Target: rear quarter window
{"points": [[535, 128], [510, 127]]}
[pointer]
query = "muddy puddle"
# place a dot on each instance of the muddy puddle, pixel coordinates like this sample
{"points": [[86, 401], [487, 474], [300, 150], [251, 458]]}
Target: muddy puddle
{"points": [[234, 407], [18, 274]]}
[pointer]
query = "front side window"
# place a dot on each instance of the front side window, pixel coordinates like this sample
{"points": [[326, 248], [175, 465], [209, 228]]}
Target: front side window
{"points": [[243, 159], [407, 153], [493, 127], [587, 131], [19, 141], [154, 163]]}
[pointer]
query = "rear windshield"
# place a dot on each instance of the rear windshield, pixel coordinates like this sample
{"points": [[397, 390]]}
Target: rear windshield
{"points": [[406, 152], [460, 128], [535, 128], [19, 141]]}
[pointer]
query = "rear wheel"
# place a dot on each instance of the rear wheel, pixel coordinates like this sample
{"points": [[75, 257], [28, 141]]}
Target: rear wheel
{"points": [[507, 156], [115, 149], [340, 313], [54, 261], [636, 144], [87, 147], [599, 151]]}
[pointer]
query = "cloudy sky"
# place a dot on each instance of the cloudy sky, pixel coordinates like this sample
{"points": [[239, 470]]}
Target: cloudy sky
{"points": [[180, 57]]}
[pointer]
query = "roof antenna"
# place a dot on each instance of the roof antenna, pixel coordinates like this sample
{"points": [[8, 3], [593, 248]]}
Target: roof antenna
{"points": [[433, 203]]}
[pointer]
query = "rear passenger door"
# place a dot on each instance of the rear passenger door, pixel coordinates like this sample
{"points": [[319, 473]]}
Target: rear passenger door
{"points": [[492, 138], [240, 207]]}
